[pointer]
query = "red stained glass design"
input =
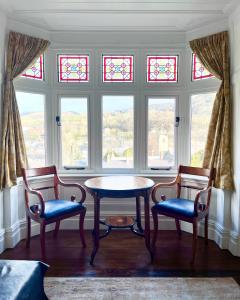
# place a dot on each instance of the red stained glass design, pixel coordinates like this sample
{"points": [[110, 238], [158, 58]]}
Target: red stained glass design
{"points": [[73, 68], [36, 70], [117, 68], [162, 68], [198, 70]]}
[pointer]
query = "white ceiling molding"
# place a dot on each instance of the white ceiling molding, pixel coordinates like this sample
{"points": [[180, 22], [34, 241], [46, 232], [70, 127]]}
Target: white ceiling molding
{"points": [[207, 29], [119, 39], [115, 15], [118, 11], [13, 25]]}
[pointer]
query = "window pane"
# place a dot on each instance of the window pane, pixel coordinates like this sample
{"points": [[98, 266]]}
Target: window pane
{"points": [[161, 142], [117, 68], [36, 70], [162, 68], [118, 131], [31, 108], [198, 70], [201, 108], [74, 121], [73, 68]]}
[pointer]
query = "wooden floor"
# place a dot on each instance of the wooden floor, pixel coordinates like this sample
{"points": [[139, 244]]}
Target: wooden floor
{"points": [[124, 254]]}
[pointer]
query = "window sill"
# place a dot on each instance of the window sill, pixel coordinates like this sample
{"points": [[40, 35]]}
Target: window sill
{"points": [[63, 175]]}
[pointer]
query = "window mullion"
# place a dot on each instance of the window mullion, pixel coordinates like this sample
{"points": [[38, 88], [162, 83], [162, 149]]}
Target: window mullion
{"points": [[184, 129], [96, 132]]}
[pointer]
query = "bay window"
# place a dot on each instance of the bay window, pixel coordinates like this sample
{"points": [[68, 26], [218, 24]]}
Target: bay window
{"points": [[110, 111]]}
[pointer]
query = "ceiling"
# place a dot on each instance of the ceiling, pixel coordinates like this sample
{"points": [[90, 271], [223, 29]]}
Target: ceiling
{"points": [[159, 15]]}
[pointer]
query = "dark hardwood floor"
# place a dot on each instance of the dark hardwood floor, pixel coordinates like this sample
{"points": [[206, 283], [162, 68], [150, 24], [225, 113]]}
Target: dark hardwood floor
{"points": [[124, 254]]}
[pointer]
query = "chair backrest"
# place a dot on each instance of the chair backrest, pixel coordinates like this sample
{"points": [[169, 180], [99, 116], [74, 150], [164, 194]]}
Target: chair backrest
{"points": [[38, 172], [194, 171]]}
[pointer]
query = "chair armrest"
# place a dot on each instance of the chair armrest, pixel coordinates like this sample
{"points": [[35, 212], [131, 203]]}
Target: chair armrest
{"points": [[77, 185], [207, 191], [162, 184], [40, 211]]}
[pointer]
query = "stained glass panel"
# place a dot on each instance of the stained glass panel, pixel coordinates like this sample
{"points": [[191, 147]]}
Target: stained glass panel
{"points": [[162, 68], [36, 70], [198, 70], [117, 68], [73, 68]]}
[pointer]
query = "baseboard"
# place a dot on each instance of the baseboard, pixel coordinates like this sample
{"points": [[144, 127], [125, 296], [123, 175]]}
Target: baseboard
{"points": [[225, 239], [2, 240], [215, 232], [234, 243]]}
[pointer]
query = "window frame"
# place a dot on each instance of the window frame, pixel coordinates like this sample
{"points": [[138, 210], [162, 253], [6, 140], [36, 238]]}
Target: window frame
{"points": [[162, 56], [176, 132], [22, 75], [171, 51], [45, 112], [140, 89], [83, 85], [197, 92], [121, 170], [59, 131], [73, 56], [118, 81], [206, 77], [100, 53]]}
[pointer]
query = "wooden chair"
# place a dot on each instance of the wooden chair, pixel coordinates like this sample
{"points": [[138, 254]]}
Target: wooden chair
{"points": [[54, 210], [184, 209]]}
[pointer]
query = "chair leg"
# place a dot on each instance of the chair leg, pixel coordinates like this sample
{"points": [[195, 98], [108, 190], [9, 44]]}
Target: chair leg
{"points": [[194, 242], [81, 227], [155, 231], [42, 238], [56, 229], [178, 228], [28, 232], [206, 230]]}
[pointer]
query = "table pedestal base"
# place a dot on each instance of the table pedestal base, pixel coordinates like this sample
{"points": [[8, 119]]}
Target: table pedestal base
{"points": [[121, 222]]}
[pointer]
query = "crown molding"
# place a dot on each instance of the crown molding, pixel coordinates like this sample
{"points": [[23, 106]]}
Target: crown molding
{"points": [[207, 29], [143, 10]]}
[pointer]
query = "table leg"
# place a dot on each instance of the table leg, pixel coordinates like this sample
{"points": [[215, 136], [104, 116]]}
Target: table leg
{"points": [[96, 227], [138, 214], [147, 222]]}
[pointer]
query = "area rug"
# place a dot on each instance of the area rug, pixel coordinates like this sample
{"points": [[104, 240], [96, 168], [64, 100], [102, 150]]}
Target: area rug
{"points": [[140, 288]]}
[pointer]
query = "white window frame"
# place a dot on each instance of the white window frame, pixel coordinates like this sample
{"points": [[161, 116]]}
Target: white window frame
{"points": [[206, 91], [59, 131], [121, 170], [176, 133], [45, 112], [140, 89]]}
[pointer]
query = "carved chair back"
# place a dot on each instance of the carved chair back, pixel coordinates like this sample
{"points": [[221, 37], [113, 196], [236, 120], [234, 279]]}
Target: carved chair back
{"points": [[39, 172], [198, 174]]}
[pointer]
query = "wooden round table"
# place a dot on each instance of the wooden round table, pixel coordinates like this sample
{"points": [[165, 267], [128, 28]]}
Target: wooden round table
{"points": [[120, 187]]}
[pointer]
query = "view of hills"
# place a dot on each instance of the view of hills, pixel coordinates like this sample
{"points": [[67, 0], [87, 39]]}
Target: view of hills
{"points": [[118, 135]]}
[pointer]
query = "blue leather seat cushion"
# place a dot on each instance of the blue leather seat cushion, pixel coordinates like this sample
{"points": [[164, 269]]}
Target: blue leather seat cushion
{"points": [[178, 206], [56, 208]]}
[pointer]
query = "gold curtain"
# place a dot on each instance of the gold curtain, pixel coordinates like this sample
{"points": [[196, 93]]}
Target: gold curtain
{"points": [[213, 52], [22, 51]]}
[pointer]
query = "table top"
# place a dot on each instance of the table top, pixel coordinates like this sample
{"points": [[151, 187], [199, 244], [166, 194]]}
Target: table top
{"points": [[119, 183]]}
